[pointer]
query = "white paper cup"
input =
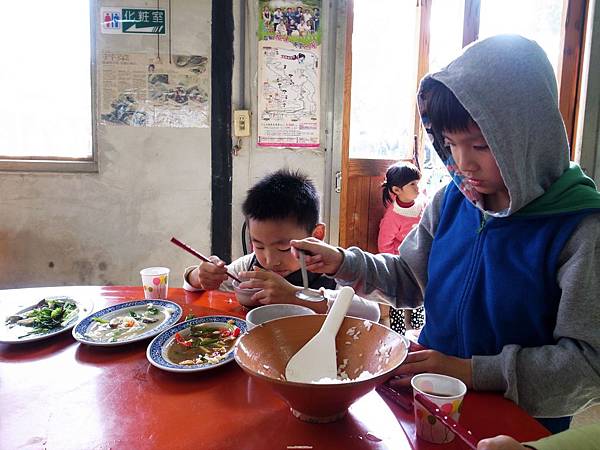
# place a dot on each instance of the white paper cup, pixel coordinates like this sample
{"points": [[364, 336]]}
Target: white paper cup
{"points": [[265, 313], [447, 393], [155, 281]]}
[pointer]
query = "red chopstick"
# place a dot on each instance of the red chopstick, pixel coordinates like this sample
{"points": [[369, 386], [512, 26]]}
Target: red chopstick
{"points": [[197, 254], [395, 396], [448, 421]]}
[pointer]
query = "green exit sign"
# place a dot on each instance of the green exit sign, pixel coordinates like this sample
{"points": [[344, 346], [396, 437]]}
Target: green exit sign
{"points": [[143, 21]]}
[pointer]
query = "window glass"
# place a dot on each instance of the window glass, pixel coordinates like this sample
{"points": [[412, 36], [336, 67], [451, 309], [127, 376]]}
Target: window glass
{"points": [[384, 82], [46, 100], [539, 20], [446, 32]]}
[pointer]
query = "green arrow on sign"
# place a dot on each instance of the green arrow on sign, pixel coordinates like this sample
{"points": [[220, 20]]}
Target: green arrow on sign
{"points": [[137, 28], [143, 21]]}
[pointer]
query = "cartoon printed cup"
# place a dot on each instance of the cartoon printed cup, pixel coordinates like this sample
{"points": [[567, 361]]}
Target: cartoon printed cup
{"points": [[155, 281], [447, 393]]}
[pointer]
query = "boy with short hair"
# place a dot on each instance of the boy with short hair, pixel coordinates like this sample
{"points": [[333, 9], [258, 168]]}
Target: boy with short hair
{"points": [[282, 206], [506, 258]]}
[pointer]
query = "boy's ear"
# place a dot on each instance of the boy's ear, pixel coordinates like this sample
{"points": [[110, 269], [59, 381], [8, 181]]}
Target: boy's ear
{"points": [[319, 231]]}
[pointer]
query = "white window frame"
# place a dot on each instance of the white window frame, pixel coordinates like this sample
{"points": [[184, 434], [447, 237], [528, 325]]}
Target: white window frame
{"points": [[62, 164]]}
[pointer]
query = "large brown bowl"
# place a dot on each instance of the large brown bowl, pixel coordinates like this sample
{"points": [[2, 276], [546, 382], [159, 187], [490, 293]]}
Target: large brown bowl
{"points": [[265, 351]]}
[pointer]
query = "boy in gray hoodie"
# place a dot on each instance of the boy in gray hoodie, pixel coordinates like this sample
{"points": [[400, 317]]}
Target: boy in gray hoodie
{"points": [[507, 257]]}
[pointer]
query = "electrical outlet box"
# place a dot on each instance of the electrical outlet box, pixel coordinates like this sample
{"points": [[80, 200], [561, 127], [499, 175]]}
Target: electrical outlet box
{"points": [[241, 123]]}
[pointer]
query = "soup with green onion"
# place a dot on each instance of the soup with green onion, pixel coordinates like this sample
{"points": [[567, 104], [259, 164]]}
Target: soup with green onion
{"points": [[206, 343]]}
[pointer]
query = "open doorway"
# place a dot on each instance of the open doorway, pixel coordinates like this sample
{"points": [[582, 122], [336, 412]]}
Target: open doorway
{"points": [[390, 47]]}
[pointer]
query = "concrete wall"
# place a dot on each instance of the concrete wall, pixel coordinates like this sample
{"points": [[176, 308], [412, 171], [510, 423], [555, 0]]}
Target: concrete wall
{"points": [[102, 228], [153, 183]]}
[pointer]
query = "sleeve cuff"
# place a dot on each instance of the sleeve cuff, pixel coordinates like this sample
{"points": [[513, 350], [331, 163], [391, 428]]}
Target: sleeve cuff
{"points": [[186, 284], [344, 272], [487, 373]]}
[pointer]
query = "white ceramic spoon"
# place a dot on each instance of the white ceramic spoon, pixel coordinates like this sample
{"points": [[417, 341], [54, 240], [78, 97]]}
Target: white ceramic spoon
{"points": [[317, 359], [307, 294]]}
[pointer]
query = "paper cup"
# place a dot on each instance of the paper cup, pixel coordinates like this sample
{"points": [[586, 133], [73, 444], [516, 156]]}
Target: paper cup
{"points": [[155, 281], [447, 393]]}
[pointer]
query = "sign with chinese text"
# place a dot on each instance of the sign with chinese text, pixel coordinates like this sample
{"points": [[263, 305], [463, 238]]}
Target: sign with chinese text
{"points": [[133, 20]]}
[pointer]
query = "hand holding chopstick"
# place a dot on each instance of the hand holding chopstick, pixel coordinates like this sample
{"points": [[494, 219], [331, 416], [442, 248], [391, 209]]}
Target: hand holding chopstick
{"points": [[199, 255]]}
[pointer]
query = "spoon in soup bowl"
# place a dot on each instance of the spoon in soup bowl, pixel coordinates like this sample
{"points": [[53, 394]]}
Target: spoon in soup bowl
{"points": [[307, 294]]}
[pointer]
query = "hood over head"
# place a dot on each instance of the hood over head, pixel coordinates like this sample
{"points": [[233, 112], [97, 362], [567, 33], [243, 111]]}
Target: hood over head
{"points": [[508, 87]]}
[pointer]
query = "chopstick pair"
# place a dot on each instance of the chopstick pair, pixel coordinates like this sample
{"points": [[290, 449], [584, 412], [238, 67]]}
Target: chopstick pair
{"points": [[407, 404], [403, 402], [197, 254]]}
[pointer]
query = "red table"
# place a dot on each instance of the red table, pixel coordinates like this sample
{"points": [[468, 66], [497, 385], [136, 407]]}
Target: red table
{"points": [[59, 394]]}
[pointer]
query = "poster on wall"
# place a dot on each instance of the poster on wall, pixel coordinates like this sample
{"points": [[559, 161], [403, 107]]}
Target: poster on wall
{"points": [[136, 90], [289, 54]]}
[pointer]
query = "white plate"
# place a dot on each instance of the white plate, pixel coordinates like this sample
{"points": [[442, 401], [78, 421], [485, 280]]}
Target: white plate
{"points": [[171, 310], [10, 335], [158, 348]]}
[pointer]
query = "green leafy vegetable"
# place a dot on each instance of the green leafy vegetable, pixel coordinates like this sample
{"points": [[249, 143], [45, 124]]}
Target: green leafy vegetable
{"points": [[49, 315]]}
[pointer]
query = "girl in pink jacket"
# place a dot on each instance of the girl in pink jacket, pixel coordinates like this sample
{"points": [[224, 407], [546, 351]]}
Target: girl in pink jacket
{"points": [[400, 193], [404, 206]]}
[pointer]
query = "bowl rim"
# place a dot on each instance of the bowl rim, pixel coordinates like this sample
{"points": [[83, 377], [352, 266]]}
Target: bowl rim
{"points": [[284, 382], [236, 288], [251, 324]]}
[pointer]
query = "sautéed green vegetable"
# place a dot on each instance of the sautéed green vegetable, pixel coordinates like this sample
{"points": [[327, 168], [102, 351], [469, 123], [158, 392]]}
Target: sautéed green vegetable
{"points": [[49, 314]]}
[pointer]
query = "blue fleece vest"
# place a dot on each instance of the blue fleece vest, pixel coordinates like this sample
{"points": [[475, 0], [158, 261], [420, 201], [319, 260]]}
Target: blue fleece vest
{"points": [[492, 283]]}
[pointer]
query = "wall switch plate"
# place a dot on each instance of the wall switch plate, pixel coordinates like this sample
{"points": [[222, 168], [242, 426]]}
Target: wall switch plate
{"points": [[241, 123]]}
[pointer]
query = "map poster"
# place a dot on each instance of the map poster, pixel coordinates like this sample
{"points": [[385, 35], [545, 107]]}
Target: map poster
{"points": [[289, 53], [139, 91]]}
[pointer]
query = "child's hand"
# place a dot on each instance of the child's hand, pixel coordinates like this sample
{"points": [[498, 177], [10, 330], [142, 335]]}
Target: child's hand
{"points": [[431, 361], [209, 276], [320, 257], [275, 288], [499, 443]]}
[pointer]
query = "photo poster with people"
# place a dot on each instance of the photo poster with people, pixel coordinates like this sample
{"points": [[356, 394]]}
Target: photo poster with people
{"points": [[140, 91], [289, 70]]}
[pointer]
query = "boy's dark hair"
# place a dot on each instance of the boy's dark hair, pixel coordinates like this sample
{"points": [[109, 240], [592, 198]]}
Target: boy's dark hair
{"points": [[399, 174], [284, 195], [443, 109]]}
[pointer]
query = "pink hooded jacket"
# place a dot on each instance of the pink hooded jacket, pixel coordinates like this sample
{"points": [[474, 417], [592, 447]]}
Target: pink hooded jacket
{"points": [[397, 223]]}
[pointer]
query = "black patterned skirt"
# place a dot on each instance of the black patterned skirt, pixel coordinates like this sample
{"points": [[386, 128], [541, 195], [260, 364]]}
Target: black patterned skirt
{"points": [[417, 319]]}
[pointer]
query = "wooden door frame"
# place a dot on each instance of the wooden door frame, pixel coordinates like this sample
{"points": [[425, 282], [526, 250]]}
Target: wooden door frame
{"points": [[352, 167], [575, 13], [343, 234], [570, 69], [373, 168]]}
